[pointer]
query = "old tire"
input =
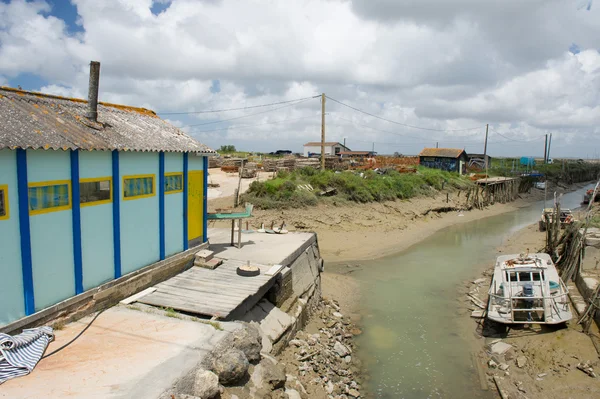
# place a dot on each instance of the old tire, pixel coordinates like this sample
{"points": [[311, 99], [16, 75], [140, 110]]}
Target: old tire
{"points": [[248, 273]]}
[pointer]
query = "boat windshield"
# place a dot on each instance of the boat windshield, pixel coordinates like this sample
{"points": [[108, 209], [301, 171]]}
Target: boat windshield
{"points": [[523, 276]]}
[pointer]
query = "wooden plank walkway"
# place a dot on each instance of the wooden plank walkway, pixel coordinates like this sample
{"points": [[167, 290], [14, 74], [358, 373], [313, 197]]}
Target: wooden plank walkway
{"points": [[220, 292]]}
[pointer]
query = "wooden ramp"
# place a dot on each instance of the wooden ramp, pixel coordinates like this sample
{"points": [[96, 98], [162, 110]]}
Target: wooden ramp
{"points": [[220, 292]]}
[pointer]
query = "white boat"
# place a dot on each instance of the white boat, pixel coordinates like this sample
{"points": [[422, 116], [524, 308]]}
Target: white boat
{"points": [[526, 289]]}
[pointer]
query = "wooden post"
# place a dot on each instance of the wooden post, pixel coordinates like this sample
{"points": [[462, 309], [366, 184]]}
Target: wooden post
{"points": [[323, 131], [239, 234], [545, 149], [485, 148], [232, 231]]}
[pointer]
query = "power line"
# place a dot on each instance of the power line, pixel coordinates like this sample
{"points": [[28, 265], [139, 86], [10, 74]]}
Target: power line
{"points": [[400, 123], [235, 109], [401, 134], [249, 115], [234, 127], [517, 140]]}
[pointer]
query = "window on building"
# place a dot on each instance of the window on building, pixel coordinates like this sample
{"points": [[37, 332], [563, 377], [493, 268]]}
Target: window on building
{"points": [[48, 197], [3, 202], [173, 183], [138, 186], [95, 191]]}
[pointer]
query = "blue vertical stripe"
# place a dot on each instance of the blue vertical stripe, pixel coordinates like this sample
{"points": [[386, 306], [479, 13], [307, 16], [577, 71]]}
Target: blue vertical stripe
{"points": [[205, 199], [161, 203], [25, 231], [76, 214], [185, 201], [116, 179]]}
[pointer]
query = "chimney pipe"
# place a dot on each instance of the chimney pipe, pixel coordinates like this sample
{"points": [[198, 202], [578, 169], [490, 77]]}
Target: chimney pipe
{"points": [[93, 91]]}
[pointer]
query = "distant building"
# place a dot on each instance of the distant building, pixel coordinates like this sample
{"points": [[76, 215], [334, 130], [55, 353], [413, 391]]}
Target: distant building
{"points": [[449, 159], [331, 148], [90, 193], [357, 154], [479, 160]]}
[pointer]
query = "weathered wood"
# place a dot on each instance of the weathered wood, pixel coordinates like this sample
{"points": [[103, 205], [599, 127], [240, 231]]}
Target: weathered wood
{"points": [[220, 292]]}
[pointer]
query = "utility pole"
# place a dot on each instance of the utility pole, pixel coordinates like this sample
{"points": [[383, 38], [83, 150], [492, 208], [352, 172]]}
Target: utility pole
{"points": [[323, 131], [545, 149], [344, 144], [437, 144], [549, 144], [485, 147], [373, 150]]}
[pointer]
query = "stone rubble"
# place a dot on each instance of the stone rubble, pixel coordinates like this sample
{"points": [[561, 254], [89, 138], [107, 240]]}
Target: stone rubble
{"points": [[324, 358]]}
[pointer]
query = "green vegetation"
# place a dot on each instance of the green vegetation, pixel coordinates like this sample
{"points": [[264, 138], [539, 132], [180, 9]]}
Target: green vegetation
{"points": [[227, 149], [287, 189]]}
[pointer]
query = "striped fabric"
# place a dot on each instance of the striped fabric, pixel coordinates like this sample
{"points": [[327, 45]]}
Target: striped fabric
{"points": [[173, 183], [43, 197], [138, 186], [20, 354]]}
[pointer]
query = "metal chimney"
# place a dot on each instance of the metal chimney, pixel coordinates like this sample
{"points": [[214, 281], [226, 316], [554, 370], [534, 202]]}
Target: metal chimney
{"points": [[93, 91]]}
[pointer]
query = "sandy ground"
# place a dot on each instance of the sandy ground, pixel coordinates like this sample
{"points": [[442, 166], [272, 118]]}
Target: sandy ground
{"points": [[551, 353], [228, 183]]}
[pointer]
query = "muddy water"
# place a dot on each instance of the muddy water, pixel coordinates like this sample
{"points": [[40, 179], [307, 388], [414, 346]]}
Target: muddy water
{"points": [[413, 346]]}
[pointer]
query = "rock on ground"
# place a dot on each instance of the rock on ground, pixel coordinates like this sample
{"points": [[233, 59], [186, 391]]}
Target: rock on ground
{"points": [[231, 366], [292, 394], [206, 384], [268, 374], [341, 349], [248, 339]]}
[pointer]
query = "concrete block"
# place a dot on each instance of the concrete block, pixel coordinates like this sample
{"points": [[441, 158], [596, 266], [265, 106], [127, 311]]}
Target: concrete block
{"points": [[204, 256], [211, 264], [273, 322]]}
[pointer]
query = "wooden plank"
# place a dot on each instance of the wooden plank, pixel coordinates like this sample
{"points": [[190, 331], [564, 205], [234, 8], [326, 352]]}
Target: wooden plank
{"points": [[244, 284], [137, 296], [226, 278], [162, 299], [178, 303], [196, 290], [197, 297]]}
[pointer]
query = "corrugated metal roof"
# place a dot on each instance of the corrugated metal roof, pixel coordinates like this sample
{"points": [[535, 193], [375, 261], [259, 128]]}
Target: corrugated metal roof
{"points": [[441, 152], [40, 121]]}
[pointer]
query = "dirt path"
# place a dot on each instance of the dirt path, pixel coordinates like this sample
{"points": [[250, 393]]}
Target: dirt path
{"points": [[543, 360]]}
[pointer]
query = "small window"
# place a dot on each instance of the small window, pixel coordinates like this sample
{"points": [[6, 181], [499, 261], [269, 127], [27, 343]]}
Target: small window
{"points": [[524, 276], [49, 197], [3, 202], [95, 191], [135, 187], [173, 183], [536, 276]]}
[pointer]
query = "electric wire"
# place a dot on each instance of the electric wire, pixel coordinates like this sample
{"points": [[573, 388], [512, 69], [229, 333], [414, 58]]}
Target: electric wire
{"points": [[249, 115], [234, 127], [400, 123], [236, 109], [77, 336]]}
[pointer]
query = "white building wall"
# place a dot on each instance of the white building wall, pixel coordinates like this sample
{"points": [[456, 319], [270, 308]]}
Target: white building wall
{"points": [[329, 149]]}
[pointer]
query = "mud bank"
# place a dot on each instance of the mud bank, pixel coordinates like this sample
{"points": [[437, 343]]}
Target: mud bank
{"points": [[539, 361]]}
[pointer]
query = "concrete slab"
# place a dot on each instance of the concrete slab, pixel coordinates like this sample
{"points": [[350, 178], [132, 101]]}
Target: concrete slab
{"points": [[126, 353], [264, 248], [273, 321]]}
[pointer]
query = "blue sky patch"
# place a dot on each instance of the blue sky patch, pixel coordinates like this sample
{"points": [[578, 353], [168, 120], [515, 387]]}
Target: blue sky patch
{"points": [[66, 11], [159, 6], [27, 81]]}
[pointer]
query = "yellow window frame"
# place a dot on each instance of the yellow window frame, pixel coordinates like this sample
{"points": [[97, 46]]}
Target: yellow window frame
{"points": [[4, 188], [56, 208], [153, 176], [94, 180], [175, 174]]}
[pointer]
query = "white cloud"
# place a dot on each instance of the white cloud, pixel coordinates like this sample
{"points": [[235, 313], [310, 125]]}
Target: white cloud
{"points": [[434, 63]]}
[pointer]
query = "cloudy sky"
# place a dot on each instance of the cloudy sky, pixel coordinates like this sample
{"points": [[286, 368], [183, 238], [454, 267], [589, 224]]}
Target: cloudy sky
{"points": [[426, 71]]}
